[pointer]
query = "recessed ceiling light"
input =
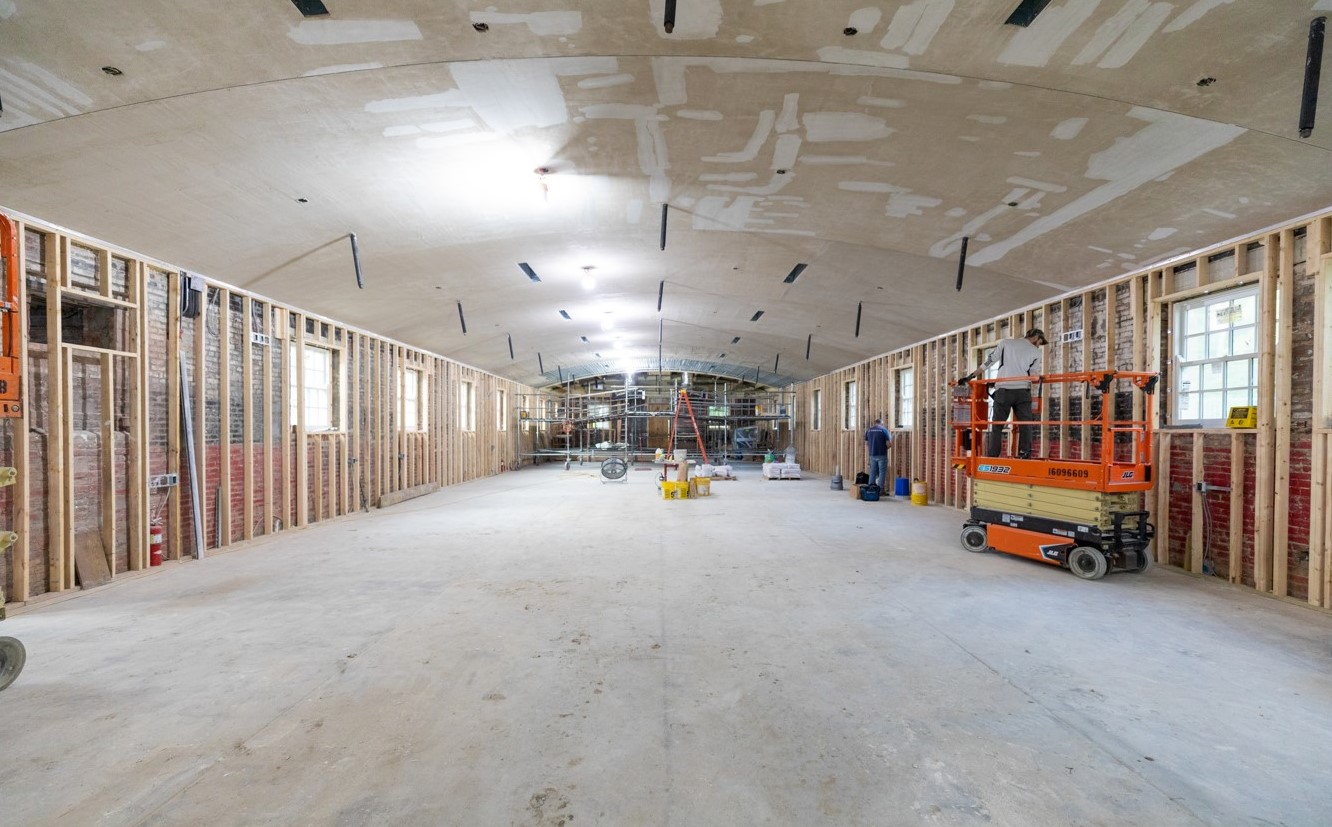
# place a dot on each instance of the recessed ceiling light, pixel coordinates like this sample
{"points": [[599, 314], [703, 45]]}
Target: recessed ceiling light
{"points": [[756, 316], [481, 27], [1206, 81], [564, 313], [302, 201], [526, 268], [850, 31], [112, 71], [795, 273], [584, 338], [736, 340], [1026, 12]]}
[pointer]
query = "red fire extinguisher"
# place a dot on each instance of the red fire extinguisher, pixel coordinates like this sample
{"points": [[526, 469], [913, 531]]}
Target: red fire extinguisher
{"points": [[155, 544]]}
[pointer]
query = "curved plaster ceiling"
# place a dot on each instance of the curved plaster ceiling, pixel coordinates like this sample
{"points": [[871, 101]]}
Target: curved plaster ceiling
{"points": [[245, 141]]}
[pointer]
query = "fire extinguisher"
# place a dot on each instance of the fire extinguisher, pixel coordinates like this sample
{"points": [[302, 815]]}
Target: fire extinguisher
{"points": [[155, 544]]}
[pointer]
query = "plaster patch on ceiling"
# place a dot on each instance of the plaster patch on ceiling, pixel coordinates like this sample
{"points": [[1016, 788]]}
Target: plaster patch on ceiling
{"points": [[952, 244], [1199, 8], [915, 24], [868, 186], [7, 9], [633, 211], [339, 32], [340, 68], [844, 126], [861, 57], [843, 160], [903, 205], [448, 126], [603, 82], [991, 119], [786, 152], [788, 119], [1069, 129], [767, 118], [509, 95], [744, 38], [1100, 249], [464, 139], [1119, 38], [767, 2], [699, 114], [1027, 154], [540, 23], [994, 84], [150, 45], [448, 99], [865, 19], [1037, 43], [1169, 141], [972, 139], [694, 19], [653, 158], [1161, 232], [30, 88], [1036, 185], [1322, 5], [775, 185], [1226, 215], [885, 103], [728, 176], [956, 212]]}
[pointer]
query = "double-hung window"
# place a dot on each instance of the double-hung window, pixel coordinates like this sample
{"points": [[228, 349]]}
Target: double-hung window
{"points": [[318, 380], [850, 406], [1215, 341], [816, 410], [904, 398]]}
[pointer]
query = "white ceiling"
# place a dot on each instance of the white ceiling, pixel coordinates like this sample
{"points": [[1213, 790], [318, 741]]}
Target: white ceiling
{"points": [[1068, 152]]}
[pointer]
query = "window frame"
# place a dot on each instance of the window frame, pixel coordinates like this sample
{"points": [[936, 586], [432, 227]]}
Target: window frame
{"points": [[1185, 371], [850, 405], [416, 421], [501, 410], [332, 407], [902, 376], [816, 410], [467, 405]]}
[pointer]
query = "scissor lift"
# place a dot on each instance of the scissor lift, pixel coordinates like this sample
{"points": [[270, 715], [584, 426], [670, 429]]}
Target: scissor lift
{"points": [[12, 654], [1082, 514]]}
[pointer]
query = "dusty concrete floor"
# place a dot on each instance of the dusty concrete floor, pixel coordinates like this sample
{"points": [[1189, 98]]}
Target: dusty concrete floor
{"points": [[543, 649]]}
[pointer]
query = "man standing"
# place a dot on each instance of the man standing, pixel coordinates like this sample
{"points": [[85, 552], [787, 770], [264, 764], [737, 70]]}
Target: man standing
{"points": [[877, 440], [1015, 358]]}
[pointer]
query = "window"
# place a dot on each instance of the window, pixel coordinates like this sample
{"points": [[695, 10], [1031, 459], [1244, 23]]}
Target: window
{"points": [[849, 406], [412, 381], [467, 406], [320, 385], [1215, 339], [816, 410], [502, 411], [904, 407]]}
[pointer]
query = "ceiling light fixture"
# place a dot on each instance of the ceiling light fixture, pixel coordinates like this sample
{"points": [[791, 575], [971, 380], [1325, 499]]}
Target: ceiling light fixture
{"points": [[756, 316], [850, 31], [112, 71], [526, 268], [481, 27], [310, 8], [564, 313], [795, 273], [736, 340], [1313, 63], [669, 21], [584, 338]]}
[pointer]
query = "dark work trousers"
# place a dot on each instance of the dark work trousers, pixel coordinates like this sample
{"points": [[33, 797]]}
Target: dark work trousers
{"points": [[1017, 401]]}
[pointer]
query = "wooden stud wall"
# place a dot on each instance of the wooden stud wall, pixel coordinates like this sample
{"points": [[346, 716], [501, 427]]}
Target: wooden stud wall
{"points": [[1131, 317], [299, 476]]}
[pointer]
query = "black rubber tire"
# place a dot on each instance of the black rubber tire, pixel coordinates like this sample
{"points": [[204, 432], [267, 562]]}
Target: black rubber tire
{"points": [[614, 468], [1144, 562], [974, 539], [12, 658], [1088, 563]]}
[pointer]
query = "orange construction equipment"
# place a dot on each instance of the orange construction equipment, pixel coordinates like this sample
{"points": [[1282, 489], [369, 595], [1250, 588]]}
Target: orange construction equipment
{"points": [[690, 427], [11, 323], [1082, 513]]}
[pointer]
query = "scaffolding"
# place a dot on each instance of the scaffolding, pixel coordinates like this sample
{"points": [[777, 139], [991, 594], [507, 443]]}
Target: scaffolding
{"points": [[592, 421]]}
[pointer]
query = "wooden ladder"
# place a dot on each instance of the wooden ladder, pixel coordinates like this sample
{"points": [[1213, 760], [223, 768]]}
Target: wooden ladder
{"points": [[691, 429]]}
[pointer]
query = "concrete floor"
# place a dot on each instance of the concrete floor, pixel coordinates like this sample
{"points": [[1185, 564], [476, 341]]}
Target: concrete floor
{"points": [[539, 648]]}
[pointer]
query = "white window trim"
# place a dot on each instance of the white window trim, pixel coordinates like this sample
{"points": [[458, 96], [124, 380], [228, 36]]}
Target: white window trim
{"points": [[501, 410], [333, 389], [1180, 366], [416, 422], [816, 409], [900, 422], [850, 405], [467, 405]]}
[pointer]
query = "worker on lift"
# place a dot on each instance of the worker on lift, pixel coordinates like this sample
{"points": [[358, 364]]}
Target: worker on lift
{"points": [[1015, 357]]}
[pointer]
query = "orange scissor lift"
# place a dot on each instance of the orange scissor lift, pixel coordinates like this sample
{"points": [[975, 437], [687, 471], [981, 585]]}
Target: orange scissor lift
{"points": [[12, 654], [1083, 514]]}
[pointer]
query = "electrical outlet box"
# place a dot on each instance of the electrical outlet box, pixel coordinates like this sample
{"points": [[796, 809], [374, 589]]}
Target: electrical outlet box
{"points": [[1071, 336], [260, 339], [163, 481]]}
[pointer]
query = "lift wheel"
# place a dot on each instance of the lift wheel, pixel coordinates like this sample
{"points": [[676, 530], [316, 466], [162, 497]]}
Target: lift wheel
{"points": [[12, 658]]}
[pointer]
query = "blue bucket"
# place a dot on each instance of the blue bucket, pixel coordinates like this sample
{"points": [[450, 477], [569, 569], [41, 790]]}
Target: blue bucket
{"points": [[903, 487]]}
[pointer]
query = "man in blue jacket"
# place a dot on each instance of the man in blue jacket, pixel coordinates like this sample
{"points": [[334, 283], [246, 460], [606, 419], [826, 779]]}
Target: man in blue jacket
{"points": [[877, 440]]}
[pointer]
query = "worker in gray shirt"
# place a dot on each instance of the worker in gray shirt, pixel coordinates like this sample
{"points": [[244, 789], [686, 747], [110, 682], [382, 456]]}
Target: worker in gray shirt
{"points": [[1015, 358]]}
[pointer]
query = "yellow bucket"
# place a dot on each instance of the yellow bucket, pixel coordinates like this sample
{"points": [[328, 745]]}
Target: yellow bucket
{"points": [[918, 493], [672, 490]]}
